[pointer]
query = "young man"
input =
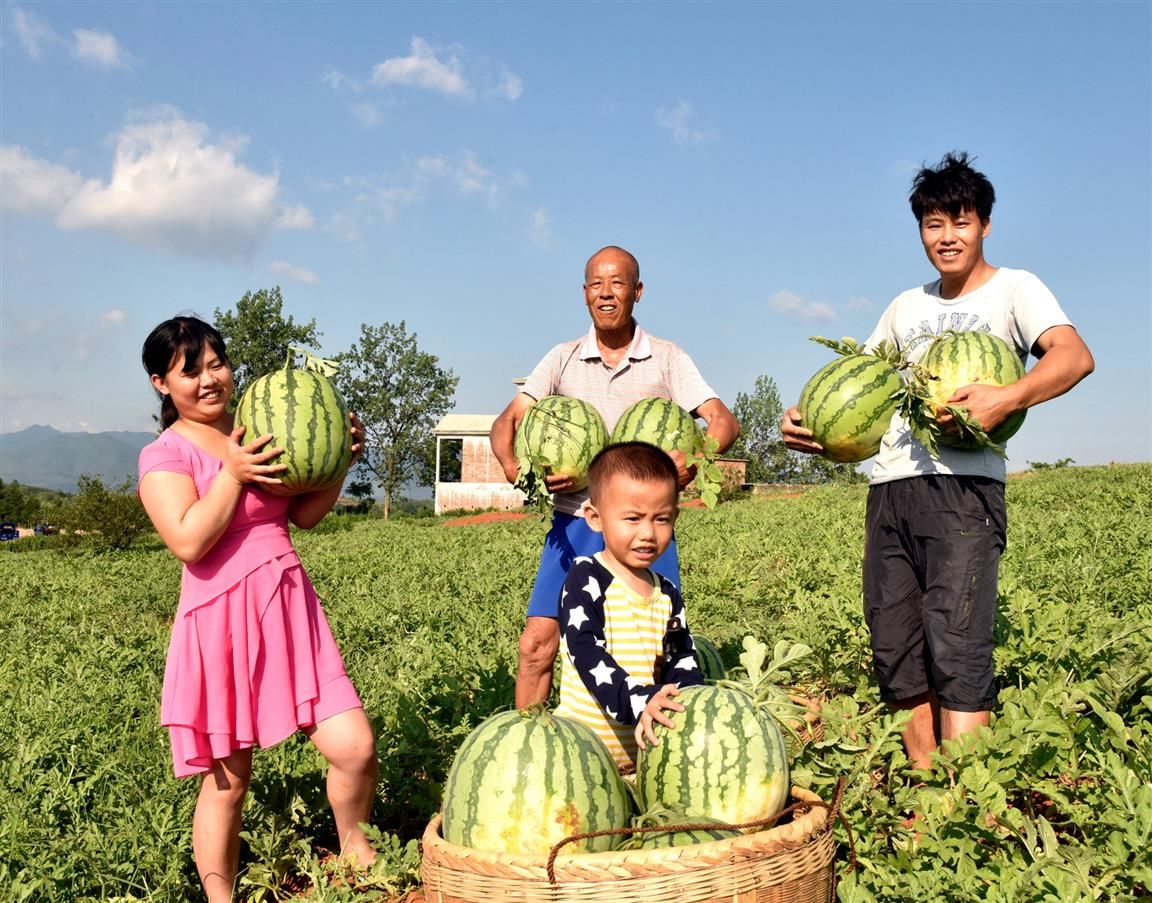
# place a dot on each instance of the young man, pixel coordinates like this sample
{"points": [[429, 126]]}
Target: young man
{"points": [[627, 649], [935, 527], [615, 365]]}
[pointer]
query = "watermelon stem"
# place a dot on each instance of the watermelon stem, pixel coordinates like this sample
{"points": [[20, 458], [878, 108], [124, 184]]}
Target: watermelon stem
{"points": [[762, 682], [915, 404]]}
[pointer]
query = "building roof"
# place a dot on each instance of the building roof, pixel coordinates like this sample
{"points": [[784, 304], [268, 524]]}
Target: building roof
{"points": [[464, 425]]}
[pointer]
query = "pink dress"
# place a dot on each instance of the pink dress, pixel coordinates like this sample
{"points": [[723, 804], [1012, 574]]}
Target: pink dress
{"points": [[251, 659]]}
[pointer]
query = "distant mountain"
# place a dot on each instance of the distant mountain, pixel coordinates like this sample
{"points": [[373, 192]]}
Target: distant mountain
{"points": [[45, 457]]}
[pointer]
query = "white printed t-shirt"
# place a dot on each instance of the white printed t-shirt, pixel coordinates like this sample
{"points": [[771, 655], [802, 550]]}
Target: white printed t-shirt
{"points": [[1013, 305]]}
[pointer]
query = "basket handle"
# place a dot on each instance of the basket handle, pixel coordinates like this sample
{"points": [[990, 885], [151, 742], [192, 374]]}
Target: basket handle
{"points": [[803, 807]]}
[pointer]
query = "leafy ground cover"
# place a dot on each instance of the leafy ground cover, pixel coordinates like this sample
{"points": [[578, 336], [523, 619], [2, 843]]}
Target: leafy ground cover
{"points": [[1052, 802]]}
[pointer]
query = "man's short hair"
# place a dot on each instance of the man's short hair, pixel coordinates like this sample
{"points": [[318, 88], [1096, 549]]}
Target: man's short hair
{"points": [[952, 186], [636, 460]]}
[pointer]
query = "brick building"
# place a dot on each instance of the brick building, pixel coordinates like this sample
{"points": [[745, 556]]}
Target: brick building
{"points": [[482, 483]]}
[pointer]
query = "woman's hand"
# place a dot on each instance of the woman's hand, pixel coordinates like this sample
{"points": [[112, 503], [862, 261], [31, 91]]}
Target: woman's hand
{"points": [[357, 432], [252, 463]]}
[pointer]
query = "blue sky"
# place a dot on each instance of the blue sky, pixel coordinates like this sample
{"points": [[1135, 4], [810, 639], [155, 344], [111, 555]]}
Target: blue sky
{"points": [[453, 165]]}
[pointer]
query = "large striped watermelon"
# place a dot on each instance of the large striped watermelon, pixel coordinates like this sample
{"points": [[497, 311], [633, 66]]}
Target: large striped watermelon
{"points": [[848, 403], [524, 780], [663, 423], [662, 817], [560, 436], [957, 359], [711, 665], [726, 759], [307, 417]]}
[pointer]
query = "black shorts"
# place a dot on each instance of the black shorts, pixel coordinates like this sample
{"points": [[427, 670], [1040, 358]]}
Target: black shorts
{"points": [[931, 557]]}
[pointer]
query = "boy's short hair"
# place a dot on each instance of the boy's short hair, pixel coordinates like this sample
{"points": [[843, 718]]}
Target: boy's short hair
{"points": [[952, 186], [638, 461]]}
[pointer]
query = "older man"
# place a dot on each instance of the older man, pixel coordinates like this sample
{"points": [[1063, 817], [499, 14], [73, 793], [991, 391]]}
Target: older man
{"points": [[615, 365]]}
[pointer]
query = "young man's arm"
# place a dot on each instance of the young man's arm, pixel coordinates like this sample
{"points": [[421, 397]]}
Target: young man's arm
{"points": [[1064, 360]]}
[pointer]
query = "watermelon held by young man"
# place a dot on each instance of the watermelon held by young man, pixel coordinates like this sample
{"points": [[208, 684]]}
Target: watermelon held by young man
{"points": [[708, 656], [726, 759], [848, 404], [524, 780], [557, 436], [958, 359], [307, 417]]}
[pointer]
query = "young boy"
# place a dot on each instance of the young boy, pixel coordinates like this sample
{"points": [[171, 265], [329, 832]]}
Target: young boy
{"points": [[627, 649], [936, 526]]}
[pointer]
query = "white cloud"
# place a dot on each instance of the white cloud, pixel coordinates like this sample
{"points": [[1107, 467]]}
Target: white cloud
{"points": [[541, 226], [338, 81], [858, 303], [367, 114], [293, 272], [116, 316], [171, 189], [678, 120], [344, 227], [472, 178], [298, 217], [100, 49], [511, 86], [33, 32], [34, 187], [422, 69], [791, 304]]}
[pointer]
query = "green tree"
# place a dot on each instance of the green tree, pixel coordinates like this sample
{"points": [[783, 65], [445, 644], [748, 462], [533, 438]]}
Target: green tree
{"points": [[18, 505], [257, 336], [106, 518], [759, 441], [769, 459], [399, 392]]}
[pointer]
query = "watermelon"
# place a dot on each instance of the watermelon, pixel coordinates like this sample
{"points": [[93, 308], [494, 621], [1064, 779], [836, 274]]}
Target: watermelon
{"points": [[711, 665], [663, 423], [848, 403], [308, 418], [560, 436], [726, 759], [957, 359], [524, 780], [661, 817]]}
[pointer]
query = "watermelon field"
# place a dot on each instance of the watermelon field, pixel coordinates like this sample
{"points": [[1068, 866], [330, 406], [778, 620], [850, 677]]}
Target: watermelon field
{"points": [[1053, 802]]}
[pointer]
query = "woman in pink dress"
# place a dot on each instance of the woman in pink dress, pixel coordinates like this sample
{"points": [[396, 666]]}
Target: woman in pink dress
{"points": [[251, 659]]}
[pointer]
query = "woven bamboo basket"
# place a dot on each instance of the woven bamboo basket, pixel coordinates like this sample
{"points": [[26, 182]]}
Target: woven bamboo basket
{"points": [[790, 863]]}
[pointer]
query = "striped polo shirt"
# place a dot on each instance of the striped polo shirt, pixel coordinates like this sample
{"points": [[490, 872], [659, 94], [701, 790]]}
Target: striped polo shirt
{"points": [[651, 368]]}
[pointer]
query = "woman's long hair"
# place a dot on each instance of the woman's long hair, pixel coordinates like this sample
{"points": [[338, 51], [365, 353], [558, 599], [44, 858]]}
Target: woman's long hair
{"points": [[167, 342]]}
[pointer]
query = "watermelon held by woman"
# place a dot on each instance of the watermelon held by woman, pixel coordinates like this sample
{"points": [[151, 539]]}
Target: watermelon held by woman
{"points": [[958, 359], [663, 423], [557, 436], [307, 417], [848, 403], [726, 759], [524, 780]]}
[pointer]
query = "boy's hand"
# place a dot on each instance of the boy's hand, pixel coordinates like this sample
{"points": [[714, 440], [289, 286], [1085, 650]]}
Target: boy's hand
{"points": [[654, 712]]}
